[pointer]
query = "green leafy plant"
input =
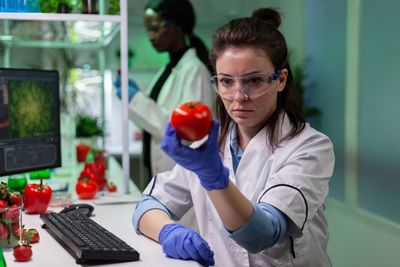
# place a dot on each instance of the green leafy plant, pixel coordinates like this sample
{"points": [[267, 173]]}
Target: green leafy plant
{"points": [[87, 126], [59, 6], [310, 112], [114, 7]]}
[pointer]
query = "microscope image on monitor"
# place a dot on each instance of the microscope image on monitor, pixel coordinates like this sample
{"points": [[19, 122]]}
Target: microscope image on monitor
{"points": [[29, 120]]}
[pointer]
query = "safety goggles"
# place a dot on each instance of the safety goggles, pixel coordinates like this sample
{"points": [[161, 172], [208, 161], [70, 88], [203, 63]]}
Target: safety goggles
{"points": [[251, 85], [155, 28]]}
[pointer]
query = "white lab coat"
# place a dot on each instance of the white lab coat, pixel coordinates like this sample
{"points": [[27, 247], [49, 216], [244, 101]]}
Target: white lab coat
{"points": [[294, 179], [189, 81]]}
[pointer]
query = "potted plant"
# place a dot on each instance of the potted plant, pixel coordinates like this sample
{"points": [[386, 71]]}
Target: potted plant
{"points": [[310, 113], [88, 131], [59, 6]]}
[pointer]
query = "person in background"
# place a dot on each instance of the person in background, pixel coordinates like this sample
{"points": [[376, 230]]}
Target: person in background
{"points": [[169, 24], [259, 183]]}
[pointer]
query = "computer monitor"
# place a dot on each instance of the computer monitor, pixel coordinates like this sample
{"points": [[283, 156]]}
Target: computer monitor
{"points": [[29, 120]]}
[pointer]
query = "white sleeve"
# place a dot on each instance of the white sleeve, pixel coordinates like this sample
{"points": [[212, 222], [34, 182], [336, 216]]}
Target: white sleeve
{"points": [[300, 187], [148, 115], [171, 188]]}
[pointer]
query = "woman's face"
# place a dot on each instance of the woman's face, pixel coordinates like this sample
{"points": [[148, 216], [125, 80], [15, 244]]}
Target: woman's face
{"points": [[249, 113], [161, 33]]}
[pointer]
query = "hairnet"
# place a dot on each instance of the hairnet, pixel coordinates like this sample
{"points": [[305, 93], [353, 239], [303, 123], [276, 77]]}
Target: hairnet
{"points": [[179, 11]]}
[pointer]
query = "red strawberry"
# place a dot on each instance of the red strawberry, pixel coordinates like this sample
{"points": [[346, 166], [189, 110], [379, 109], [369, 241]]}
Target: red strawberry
{"points": [[3, 206], [15, 198], [11, 216], [22, 252], [32, 236], [4, 232], [16, 232]]}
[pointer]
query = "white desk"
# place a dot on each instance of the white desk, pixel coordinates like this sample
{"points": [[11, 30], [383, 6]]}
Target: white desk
{"points": [[117, 218]]}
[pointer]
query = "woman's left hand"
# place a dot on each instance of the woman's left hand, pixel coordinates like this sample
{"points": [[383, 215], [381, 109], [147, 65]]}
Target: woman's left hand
{"points": [[205, 161]]}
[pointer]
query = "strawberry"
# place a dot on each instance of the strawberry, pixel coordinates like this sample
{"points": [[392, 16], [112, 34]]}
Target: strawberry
{"points": [[4, 232], [11, 216], [23, 252], [32, 236], [3, 205], [15, 198], [16, 232], [4, 191]]}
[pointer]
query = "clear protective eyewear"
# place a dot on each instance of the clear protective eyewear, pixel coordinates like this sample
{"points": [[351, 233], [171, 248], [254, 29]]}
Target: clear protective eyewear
{"points": [[155, 28], [251, 85]]}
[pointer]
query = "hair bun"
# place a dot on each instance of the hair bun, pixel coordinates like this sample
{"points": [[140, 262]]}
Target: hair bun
{"points": [[269, 15]]}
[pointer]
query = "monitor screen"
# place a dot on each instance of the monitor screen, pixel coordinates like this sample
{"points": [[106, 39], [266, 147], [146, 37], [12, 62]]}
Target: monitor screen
{"points": [[29, 120]]}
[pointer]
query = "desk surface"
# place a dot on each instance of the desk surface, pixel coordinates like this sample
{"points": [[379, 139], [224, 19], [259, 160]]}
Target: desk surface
{"points": [[117, 218]]}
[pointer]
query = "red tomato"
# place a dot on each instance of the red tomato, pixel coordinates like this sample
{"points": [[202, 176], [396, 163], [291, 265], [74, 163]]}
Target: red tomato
{"points": [[90, 174], [192, 120], [99, 170], [111, 187], [22, 253], [37, 197], [86, 189]]}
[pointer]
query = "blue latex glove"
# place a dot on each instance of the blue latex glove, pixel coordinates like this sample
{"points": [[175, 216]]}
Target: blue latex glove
{"points": [[132, 88], [180, 242], [204, 161]]}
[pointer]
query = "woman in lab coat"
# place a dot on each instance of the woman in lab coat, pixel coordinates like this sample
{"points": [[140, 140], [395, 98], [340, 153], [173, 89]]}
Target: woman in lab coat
{"points": [[259, 182], [185, 78]]}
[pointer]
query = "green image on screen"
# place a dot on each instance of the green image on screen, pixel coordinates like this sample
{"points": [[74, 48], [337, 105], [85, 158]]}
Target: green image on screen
{"points": [[31, 108]]}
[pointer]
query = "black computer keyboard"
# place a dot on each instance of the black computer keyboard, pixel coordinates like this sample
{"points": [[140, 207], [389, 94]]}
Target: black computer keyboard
{"points": [[87, 239]]}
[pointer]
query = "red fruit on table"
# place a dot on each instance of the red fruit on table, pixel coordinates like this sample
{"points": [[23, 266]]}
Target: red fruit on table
{"points": [[99, 170], [22, 252], [111, 187], [192, 120], [86, 188], [37, 197], [31, 236]]}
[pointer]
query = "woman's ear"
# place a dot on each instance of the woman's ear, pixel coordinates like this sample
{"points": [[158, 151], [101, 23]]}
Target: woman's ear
{"points": [[281, 80]]}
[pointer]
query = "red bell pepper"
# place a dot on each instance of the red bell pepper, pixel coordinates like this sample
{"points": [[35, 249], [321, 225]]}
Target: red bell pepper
{"points": [[37, 197]]}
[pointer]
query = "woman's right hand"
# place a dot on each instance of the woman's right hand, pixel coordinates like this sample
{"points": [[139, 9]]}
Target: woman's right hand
{"points": [[180, 242]]}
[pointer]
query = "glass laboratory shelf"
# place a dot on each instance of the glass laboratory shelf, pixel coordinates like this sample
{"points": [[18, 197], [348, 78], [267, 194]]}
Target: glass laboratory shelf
{"points": [[57, 34]]}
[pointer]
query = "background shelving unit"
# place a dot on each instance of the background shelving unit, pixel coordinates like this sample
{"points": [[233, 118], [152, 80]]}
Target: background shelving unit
{"points": [[119, 24]]}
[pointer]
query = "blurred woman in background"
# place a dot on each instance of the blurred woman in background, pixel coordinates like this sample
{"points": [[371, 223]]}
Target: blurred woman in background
{"points": [[169, 24]]}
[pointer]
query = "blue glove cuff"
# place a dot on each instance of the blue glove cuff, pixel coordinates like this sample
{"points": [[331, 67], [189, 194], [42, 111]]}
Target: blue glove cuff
{"points": [[220, 181], [168, 228]]}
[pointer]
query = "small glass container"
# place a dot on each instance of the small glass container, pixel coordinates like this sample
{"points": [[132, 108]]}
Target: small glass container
{"points": [[10, 227], [17, 182]]}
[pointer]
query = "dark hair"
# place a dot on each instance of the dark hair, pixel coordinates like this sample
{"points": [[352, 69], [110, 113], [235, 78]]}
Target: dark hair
{"points": [[260, 31], [181, 12]]}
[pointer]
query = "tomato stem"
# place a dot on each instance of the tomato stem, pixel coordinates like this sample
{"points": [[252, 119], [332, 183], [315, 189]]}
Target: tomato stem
{"points": [[192, 104]]}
